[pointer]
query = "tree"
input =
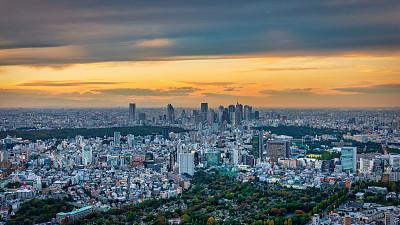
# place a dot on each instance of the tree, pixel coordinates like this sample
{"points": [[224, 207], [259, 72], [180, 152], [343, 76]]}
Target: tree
{"points": [[185, 219], [131, 217], [275, 211], [210, 221]]}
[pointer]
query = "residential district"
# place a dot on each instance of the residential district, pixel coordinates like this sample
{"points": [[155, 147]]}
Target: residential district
{"points": [[341, 164]]}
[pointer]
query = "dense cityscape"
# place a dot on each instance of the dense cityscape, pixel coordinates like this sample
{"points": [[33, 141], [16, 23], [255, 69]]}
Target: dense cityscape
{"points": [[203, 112], [225, 165]]}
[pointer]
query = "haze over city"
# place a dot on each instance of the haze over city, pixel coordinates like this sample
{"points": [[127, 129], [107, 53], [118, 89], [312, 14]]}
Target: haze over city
{"points": [[217, 112], [332, 53]]}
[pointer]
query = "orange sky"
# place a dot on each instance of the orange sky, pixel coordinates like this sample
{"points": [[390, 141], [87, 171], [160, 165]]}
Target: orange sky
{"points": [[348, 80], [334, 53]]}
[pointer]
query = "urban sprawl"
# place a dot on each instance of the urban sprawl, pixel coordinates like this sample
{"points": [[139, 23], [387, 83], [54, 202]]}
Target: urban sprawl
{"points": [[225, 165]]}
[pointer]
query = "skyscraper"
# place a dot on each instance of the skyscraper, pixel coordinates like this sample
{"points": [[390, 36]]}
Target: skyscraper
{"points": [[165, 133], [87, 155], [132, 112], [349, 159], [278, 149], [186, 163], [204, 110], [247, 112], [389, 218], [240, 108], [257, 145], [170, 114], [117, 138]]}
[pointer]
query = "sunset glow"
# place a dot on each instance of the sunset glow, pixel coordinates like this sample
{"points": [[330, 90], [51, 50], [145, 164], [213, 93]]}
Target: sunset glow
{"points": [[87, 62]]}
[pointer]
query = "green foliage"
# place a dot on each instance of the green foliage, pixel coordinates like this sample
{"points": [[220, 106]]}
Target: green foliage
{"points": [[40, 210], [13, 185], [299, 131], [95, 132]]}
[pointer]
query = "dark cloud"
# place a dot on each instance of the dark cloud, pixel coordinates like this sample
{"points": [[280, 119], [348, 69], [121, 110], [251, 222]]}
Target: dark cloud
{"points": [[179, 91], [43, 83], [373, 89], [231, 89], [131, 30]]}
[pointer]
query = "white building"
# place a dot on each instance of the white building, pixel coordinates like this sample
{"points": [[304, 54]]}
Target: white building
{"points": [[186, 163], [315, 219], [87, 155], [235, 157]]}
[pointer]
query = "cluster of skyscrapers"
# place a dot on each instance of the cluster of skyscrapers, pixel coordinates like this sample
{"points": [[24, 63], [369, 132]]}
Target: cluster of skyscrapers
{"points": [[233, 114]]}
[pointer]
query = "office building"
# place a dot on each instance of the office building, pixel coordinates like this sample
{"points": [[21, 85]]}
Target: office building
{"points": [[142, 116], [170, 114], [347, 220], [117, 138], [235, 157], [389, 218], [213, 158], [204, 110], [165, 133], [87, 155], [257, 146], [132, 112], [186, 163], [278, 149], [349, 159]]}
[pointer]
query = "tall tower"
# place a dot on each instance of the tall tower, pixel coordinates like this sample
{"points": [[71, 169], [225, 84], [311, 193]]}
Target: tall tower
{"points": [[204, 110], [132, 112], [170, 114], [117, 138], [348, 159], [87, 155]]}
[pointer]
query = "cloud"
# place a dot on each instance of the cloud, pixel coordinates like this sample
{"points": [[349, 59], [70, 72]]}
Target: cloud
{"points": [[44, 83], [231, 89], [282, 69], [47, 32], [178, 91], [154, 43], [289, 92], [217, 84], [373, 89]]}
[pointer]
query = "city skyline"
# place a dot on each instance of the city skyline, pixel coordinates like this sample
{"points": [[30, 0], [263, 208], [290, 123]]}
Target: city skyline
{"points": [[266, 54]]}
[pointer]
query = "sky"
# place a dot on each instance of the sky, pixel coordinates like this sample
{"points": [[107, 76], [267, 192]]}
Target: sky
{"points": [[313, 53]]}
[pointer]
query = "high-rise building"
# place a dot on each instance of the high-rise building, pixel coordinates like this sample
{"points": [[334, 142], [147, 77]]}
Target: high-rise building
{"points": [[256, 115], [349, 159], [247, 112], [239, 107], [165, 133], [186, 163], [203, 111], [142, 116], [347, 220], [235, 157], [225, 116], [394, 161], [132, 112], [389, 218], [278, 149], [213, 158], [117, 138], [87, 155], [257, 146], [170, 114]]}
